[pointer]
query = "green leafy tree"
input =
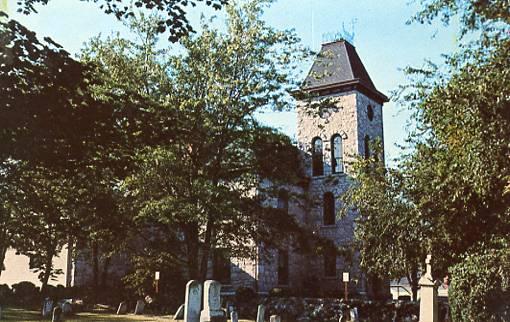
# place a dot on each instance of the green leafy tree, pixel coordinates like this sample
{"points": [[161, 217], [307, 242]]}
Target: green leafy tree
{"points": [[450, 188], [201, 179], [175, 21], [55, 130], [388, 233], [37, 203], [480, 290]]}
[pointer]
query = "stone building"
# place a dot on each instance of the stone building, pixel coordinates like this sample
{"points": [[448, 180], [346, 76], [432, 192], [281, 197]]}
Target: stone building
{"points": [[347, 121], [343, 127]]}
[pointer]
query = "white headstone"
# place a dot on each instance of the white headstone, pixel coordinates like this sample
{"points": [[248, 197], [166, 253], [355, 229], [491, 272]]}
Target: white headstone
{"points": [[140, 306], [275, 318], [234, 317], [122, 308], [428, 295], [354, 314], [261, 311], [212, 311], [192, 301]]}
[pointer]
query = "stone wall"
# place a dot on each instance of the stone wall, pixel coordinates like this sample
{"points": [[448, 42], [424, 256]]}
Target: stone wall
{"points": [[349, 118]]}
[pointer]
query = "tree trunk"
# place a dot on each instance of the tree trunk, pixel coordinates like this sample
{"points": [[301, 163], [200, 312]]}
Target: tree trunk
{"points": [[206, 249], [191, 235], [95, 269], [104, 273], [3, 250], [48, 268], [413, 281]]}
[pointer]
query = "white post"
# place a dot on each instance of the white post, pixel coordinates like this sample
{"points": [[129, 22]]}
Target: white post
{"points": [[428, 295]]}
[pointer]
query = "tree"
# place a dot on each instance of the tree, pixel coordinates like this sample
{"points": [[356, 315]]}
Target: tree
{"points": [[37, 204], [460, 167], [388, 233], [481, 287], [201, 180], [59, 153], [451, 185], [176, 20]]}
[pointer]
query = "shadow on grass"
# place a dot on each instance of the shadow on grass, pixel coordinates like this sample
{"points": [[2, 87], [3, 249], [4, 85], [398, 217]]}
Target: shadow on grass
{"points": [[22, 315]]}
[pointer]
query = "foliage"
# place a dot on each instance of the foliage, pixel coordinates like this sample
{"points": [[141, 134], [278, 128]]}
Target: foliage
{"points": [[198, 180], [176, 20], [56, 154], [25, 293], [388, 231], [449, 191], [461, 154], [480, 289], [473, 14]]}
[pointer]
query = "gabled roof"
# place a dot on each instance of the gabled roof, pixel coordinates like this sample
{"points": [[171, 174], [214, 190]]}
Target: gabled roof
{"points": [[338, 67]]}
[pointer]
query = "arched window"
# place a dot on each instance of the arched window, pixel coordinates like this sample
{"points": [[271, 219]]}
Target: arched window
{"points": [[317, 159], [337, 163], [370, 112], [367, 146], [328, 216], [283, 200]]}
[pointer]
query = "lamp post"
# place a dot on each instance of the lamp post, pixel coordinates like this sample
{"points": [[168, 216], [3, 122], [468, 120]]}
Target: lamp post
{"points": [[346, 285], [156, 278]]}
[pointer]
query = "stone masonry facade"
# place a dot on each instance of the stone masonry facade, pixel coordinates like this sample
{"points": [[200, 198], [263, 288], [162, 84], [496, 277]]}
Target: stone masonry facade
{"points": [[353, 112]]}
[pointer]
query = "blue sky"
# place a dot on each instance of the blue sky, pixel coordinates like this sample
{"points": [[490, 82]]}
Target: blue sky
{"points": [[383, 40]]}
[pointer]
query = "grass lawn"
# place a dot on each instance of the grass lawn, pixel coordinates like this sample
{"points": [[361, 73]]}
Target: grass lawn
{"points": [[21, 315]]}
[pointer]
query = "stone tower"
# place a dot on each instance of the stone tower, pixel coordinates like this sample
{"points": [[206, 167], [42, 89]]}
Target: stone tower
{"points": [[346, 119]]}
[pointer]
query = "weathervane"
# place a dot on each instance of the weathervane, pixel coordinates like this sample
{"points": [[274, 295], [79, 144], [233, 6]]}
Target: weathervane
{"points": [[343, 34]]}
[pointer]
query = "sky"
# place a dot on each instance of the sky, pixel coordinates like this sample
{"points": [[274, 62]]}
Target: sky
{"points": [[383, 40]]}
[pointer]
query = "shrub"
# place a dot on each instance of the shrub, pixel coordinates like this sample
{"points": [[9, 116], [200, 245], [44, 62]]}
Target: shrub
{"points": [[5, 294], [25, 293], [480, 287]]}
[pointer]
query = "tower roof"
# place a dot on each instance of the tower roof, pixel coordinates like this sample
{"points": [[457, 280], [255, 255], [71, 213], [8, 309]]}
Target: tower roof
{"points": [[338, 68]]}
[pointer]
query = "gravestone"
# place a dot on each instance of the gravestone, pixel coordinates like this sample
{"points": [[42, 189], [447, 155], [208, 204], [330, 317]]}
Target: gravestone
{"points": [[122, 308], [261, 311], [354, 314], [67, 308], [57, 314], [47, 307], [179, 314], [234, 317], [275, 318], [212, 311], [192, 301], [340, 316], [140, 305], [428, 295]]}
